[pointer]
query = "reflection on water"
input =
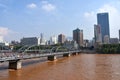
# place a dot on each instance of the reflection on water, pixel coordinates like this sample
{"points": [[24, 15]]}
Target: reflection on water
{"points": [[80, 67]]}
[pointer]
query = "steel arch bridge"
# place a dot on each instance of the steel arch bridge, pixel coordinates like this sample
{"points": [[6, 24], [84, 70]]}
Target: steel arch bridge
{"points": [[37, 49], [42, 49]]}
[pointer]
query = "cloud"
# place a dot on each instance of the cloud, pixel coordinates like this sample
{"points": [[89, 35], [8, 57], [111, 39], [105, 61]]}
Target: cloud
{"points": [[107, 8], [90, 16], [31, 6], [114, 16], [48, 6], [4, 31], [1, 38], [87, 14], [7, 34]]}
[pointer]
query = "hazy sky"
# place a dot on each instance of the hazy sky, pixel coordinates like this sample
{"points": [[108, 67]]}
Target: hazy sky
{"points": [[27, 18]]}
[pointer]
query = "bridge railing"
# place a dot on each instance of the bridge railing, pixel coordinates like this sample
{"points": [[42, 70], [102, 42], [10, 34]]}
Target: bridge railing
{"points": [[13, 56]]}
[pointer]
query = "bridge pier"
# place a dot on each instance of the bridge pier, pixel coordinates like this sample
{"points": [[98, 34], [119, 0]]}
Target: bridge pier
{"points": [[15, 64], [75, 53], [52, 58], [79, 52], [66, 55]]}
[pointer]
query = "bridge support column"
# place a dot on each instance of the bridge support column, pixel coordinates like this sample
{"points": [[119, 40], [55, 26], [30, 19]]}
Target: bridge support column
{"points": [[78, 52], [15, 64], [66, 55], [52, 58], [75, 53]]}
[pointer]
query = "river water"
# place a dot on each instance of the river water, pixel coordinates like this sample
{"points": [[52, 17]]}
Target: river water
{"points": [[80, 67]]}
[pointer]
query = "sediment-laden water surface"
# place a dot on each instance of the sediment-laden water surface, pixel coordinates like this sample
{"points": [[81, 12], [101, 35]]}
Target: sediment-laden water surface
{"points": [[80, 67]]}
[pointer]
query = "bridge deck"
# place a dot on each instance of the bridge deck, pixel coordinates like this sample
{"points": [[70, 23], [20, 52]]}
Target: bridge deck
{"points": [[22, 56]]}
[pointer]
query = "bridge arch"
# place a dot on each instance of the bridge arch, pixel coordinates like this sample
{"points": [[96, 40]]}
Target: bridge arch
{"points": [[61, 48], [22, 49], [31, 49], [45, 49], [39, 49]]}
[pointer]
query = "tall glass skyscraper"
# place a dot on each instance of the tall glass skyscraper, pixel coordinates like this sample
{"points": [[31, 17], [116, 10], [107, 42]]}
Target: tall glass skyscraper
{"points": [[119, 35], [103, 21]]}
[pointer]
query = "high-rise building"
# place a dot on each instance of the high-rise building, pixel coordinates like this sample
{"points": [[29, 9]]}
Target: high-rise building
{"points": [[97, 34], [103, 21], [61, 38], [53, 40], [41, 40], [119, 35], [78, 36], [29, 41]]}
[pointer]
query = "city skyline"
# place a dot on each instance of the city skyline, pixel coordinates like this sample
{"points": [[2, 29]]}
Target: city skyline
{"points": [[29, 18]]}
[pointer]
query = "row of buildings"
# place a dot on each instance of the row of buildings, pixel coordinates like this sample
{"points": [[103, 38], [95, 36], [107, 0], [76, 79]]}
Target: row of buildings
{"points": [[102, 31], [41, 40], [36, 40], [101, 36]]}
